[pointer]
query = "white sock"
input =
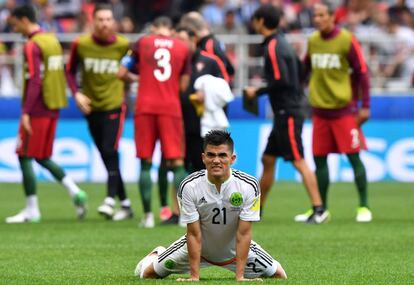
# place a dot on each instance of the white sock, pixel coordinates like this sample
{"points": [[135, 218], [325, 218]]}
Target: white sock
{"points": [[32, 206], [70, 185], [110, 201], [126, 203]]}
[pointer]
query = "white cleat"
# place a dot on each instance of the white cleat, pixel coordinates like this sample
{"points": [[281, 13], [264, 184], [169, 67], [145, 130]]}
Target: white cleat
{"points": [[23, 217], [147, 260], [302, 218], [123, 214], [106, 210], [364, 215], [147, 221]]}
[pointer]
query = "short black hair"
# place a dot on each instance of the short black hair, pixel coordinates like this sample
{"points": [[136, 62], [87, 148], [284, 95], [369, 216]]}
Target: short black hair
{"points": [[101, 7], [162, 21], [25, 11], [270, 15], [218, 137]]}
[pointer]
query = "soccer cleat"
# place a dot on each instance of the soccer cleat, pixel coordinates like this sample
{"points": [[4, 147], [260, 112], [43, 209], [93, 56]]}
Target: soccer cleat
{"points": [[106, 210], [165, 213], [80, 204], [147, 260], [319, 218], [302, 218], [23, 217], [123, 214], [364, 215], [147, 221], [173, 220]]}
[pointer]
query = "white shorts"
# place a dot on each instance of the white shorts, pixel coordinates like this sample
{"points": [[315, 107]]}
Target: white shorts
{"points": [[175, 260]]}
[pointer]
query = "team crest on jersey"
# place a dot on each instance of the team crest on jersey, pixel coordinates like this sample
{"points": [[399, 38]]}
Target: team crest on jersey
{"points": [[170, 264], [199, 66], [236, 199]]}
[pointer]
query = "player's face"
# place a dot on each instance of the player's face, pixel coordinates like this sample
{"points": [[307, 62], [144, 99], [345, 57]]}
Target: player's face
{"points": [[104, 23], [218, 160], [257, 25], [323, 21], [19, 25]]}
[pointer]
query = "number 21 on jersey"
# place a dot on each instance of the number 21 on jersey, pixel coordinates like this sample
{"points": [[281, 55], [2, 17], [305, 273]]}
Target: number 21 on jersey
{"points": [[163, 58]]}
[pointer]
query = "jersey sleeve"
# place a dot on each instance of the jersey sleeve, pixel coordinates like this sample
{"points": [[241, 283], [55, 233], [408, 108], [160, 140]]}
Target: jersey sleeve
{"points": [[128, 61], [279, 69], [251, 205], [360, 78], [33, 58], [72, 67], [188, 209]]}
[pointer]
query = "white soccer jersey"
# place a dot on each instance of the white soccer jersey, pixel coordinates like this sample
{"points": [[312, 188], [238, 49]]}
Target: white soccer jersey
{"points": [[219, 212]]}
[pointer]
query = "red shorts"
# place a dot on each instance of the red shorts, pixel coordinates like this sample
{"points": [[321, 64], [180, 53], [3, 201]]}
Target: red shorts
{"points": [[40, 143], [336, 135], [168, 129]]}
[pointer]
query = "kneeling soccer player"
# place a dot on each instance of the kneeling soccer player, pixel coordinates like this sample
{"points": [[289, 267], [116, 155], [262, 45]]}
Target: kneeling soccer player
{"points": [[218, 205]]}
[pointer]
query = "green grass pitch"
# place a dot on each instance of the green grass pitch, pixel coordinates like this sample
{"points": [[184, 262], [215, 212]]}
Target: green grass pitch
{"points": [[62, 250]]}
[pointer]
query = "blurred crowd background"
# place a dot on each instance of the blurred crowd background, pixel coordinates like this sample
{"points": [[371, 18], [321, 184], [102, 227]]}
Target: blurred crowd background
{"points": [[385, 28]]}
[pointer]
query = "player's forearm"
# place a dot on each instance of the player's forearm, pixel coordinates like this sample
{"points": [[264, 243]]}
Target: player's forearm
{"points": [[71, 80], [194, 254], [243, 240]]}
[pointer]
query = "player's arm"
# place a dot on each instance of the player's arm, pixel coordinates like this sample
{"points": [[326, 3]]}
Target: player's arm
{"points": [[190, 216], [279, 71], [83, 102], [360, 80], [33, 88], [127, 65], [250, 213], [194, 249], [243, 240]]}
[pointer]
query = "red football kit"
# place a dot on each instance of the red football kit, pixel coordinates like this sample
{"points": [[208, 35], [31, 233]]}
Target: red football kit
{"points": [[42, 120], [160, 63]]}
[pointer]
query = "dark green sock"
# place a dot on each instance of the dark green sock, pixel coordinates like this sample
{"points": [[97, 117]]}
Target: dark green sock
{"points": [[145, 185], [163, 183], [53, 168], [360, 178], [29, 178], [322, 176], [179, 175]]}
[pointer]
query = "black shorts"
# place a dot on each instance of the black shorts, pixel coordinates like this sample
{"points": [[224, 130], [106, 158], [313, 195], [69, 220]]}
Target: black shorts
{"points": [[285, 140]]}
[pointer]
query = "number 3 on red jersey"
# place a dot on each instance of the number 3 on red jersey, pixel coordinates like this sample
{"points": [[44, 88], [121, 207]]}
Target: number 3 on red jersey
{"points": [[163, 57]]}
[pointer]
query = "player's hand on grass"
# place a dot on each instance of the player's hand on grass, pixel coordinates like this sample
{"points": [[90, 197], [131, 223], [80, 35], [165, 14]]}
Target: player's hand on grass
{"points": [[26, 123], [83, 102], [249, 280], [191, 279], [250, 92], [363, 116]]}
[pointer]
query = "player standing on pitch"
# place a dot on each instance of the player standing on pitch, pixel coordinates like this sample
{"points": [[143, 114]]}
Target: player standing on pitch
{"points": [[282, 71], [163, 64], [334, 93], [44, 94], [218, 205], [102, 100]]}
